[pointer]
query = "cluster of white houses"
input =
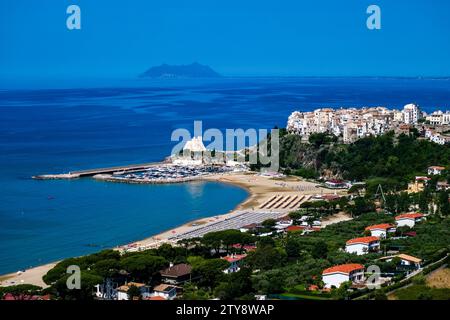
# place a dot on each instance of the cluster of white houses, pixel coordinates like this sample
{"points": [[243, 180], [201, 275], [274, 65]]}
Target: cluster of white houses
{"points": [[356, 123], [336, 275]]}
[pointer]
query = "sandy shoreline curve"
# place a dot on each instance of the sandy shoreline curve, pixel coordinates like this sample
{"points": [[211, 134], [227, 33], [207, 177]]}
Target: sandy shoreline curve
{"points": [[260, 189]]}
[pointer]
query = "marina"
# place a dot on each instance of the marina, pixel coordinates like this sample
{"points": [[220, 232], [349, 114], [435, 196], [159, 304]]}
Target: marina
{"points": [[166, 173]]}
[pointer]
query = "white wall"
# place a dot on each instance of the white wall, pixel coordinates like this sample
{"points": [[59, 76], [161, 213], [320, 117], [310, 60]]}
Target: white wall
{"points": [[334, 279], [122, 295], [378, 233], [405, 222], [357, 248]]}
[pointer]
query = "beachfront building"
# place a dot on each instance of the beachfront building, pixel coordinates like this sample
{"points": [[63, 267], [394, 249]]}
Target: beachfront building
{"points": [[122, 291], [176, 274], [283, 222], [363, 245], [435, 170], [381, 230], [337, 275], [336, 184], [234, 261], [406, 261], [408, 219], [165, 291]]}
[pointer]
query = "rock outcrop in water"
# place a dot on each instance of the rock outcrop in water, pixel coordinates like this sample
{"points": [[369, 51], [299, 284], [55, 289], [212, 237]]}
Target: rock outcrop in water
{"points": [[194, 70]]}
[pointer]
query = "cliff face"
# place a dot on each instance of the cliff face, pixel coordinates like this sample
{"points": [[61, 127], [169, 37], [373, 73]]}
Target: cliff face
{"points": [[295, 154]]}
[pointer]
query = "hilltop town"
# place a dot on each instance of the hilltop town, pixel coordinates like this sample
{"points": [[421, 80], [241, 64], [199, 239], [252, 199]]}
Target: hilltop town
{"points": [[354, 123]]}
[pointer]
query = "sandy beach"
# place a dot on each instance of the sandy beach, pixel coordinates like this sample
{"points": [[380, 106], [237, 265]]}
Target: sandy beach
{"points": [[261, 189]]}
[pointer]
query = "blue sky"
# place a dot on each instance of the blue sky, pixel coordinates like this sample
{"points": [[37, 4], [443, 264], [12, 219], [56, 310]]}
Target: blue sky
{"points": [[235, 37]]}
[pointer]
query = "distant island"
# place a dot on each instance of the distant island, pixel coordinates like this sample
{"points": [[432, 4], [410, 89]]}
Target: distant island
{"points": [[194, 70]]}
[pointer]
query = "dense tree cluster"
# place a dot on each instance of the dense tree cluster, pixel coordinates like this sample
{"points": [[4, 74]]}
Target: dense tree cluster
{"points": [[394, 159]]}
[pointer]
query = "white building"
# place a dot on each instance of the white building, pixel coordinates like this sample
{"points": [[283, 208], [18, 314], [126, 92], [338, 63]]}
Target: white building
{"points": [[439, 118], [411, 113], [122, 291], [363, 245], [335, 276], [406, 260], [435, 170], [381, 230], [165, 291], [408, 219]]}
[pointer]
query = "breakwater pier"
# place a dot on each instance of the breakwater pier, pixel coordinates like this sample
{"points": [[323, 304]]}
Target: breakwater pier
{"points": [[93, 172]]}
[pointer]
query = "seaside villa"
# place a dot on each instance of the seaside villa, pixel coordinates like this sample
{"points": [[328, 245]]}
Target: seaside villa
{"points": [[435, 170], [335, 276], [122, 291], [363, 245], [408, 219], [176, 274], [235, 261], [165, 291], [407, 261], [381, 230]]}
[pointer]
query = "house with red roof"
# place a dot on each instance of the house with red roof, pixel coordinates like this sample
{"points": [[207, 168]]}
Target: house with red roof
{"points": [[435, 170], [235, 261], [363, 245], [408, 219], [337, 275], [381, 230]]}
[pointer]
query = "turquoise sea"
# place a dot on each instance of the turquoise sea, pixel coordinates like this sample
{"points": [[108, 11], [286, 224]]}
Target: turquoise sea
{"points": [[62, 126]]}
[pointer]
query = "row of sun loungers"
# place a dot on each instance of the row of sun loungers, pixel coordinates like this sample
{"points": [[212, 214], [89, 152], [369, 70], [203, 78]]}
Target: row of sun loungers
{"points": [[284, 202]]}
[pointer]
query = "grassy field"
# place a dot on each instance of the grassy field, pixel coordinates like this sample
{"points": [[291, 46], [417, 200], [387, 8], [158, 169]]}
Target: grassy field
{"points": [[436, 287], [439, 279]]}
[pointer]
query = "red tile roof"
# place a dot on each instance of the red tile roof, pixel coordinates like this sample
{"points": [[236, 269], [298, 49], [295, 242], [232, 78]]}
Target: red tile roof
{"points": [[436, 168], [383, 226], [295, 228], [234, 258], [409, 216], [366, 240], [343, 268], [159, 298]]}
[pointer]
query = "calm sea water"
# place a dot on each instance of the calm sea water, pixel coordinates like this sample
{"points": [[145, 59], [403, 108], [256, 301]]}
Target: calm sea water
{"points": [[67, 126]]}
